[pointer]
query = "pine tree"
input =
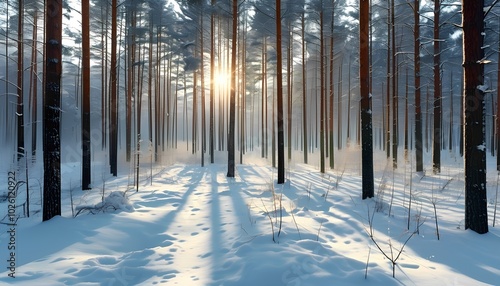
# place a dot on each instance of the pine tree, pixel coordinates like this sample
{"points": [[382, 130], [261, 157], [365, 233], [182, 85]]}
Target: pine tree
{"points": [[476, 214], [232, 100], [366, 114], [86, 166], [52, 111], [279, 75]]}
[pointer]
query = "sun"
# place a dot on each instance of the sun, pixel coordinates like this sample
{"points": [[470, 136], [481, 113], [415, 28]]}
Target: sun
{"points": [[222, 79]]}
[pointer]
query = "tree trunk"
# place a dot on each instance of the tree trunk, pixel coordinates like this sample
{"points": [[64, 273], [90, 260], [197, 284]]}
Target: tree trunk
{"points": [[34, 86], [349, 66], [20, 81], [212, 85], [194, 123], [130, 84], [476, 215], [366, 113], [436, 149], [150, 84], [202, 84], [388, 84], [331, 96], [232, 107], [339, 108], [243, 94], [104, 75], [427, 120], [498, 104], [52, 111], [395, 133], [304, 91], [86, 165], [263, 119], [450, 132], [418, 105], [7, 123], [289, 74], [322, 95], [279, 75], [273, 126], [113, 126], [406, 115]]}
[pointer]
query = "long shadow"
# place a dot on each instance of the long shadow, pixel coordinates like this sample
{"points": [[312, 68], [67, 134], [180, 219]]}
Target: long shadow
{"points": [[232, 238], [83, 231], [216, 241]]}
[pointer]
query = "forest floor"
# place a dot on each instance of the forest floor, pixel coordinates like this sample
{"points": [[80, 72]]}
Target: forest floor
{"points": [[191, 225]]}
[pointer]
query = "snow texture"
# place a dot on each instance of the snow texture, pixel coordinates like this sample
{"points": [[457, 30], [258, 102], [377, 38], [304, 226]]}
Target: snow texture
{"points": [[194, 226]]}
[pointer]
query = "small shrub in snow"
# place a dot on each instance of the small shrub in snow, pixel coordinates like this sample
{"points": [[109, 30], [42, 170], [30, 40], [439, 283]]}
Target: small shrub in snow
{"points": [[117, 201], [114, 201]]}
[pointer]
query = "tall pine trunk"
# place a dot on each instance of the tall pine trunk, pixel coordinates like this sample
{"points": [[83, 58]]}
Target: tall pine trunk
{"points": [[436, 149], [418, 104], [395, 98], [212, 85], [498, 104], [476, 214], [86, 152], [232, 102], [366, 113], [289, 84], [113, 122], [388, 84], [202, 91], [34, 86], [52, 111], [7, 123], [304, 91], [322, 95], [279, 75], [331, 96], [20, 81]]}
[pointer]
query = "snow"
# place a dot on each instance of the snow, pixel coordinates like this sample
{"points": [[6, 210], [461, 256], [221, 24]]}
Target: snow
{"points": [[483, 88], [192, 225]]}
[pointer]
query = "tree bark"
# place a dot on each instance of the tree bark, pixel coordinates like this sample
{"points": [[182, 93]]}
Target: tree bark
{"points": [[289, 74], [436, 149], [304, 91], [498, 105], [476, 215], [86, 152], [366, 113], [34, 86], [113, 122], [279, 75], [395, 98], [7, 123], [322, 94], [212, 85], [331, 96], [232, 95], [418, 104], [202, 84], [388, 84], [20, 81], [52, 111]]}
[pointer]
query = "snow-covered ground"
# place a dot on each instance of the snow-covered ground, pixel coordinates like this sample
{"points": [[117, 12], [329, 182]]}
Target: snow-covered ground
{"points": [[192, 225]]}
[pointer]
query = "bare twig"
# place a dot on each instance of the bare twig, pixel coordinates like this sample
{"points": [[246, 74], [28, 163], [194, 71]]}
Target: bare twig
{"points": [[496, 201], [319, 229], [294, 221], [436, 218], [270, 219]]}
